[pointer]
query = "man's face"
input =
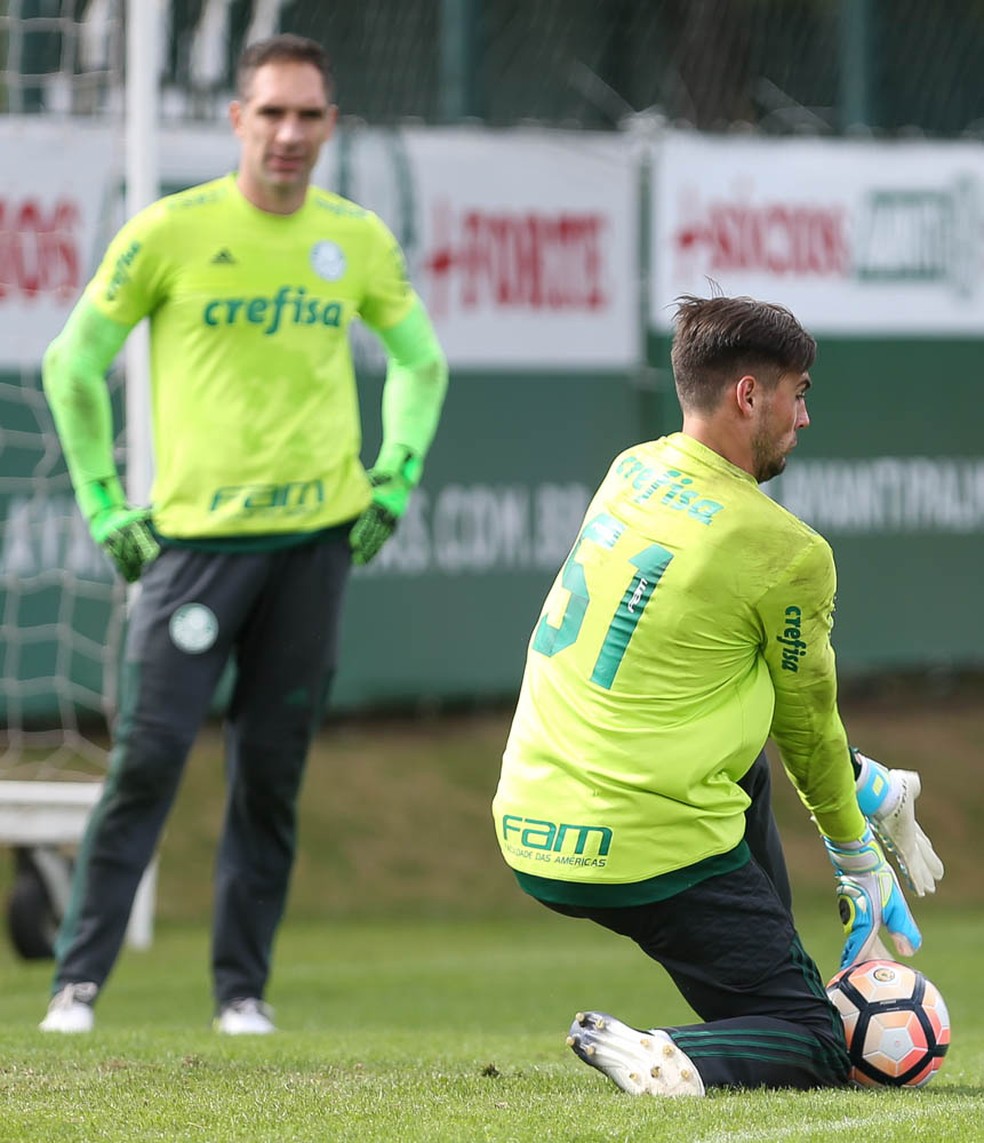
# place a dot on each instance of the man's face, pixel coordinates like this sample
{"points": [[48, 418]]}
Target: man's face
{"points": [[282, 123], [781, 413]]}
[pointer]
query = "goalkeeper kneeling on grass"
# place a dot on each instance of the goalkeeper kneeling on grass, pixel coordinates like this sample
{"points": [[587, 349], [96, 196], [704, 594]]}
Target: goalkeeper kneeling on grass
{"points": [[690, 622]]}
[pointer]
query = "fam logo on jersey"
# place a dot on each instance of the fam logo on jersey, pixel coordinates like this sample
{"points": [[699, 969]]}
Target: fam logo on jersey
{"points": [[559, 843], [193, 628], [328, 261]]}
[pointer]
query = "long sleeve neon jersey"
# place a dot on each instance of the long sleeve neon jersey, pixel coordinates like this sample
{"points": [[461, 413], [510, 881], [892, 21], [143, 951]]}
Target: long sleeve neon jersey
{"points": [[691, 620], [256, 424]]}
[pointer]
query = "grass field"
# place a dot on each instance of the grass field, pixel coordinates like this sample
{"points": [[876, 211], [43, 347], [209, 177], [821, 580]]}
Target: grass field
{"points": [[421, 996], [431, 1031]]}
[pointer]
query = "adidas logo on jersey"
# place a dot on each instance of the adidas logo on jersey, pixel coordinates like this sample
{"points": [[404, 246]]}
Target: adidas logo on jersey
{"points": [[223, 258]]}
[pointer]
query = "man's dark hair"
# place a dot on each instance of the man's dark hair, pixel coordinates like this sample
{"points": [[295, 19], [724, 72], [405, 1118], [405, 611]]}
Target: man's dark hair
{"points": [[718, 340], [285, 48]]}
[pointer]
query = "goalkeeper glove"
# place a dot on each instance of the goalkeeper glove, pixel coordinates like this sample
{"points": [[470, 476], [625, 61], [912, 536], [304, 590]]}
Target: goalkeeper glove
{"points": [[393, 477], [122, 531], [887, 798], [869, 897]]}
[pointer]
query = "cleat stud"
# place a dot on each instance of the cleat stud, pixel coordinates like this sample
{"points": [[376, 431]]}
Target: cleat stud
{"points": [[571, 1041], [634, 1077], [646, 1042], [655, 1071], [579, 1018], [668, 1050], [686, 1074], [599, 1023], [589, 1050]]}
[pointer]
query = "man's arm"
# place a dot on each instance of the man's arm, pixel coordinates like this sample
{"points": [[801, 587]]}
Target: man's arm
{"points": [[416, 382], [797, 618], [802, 665], [74, 378], [413, 396]]}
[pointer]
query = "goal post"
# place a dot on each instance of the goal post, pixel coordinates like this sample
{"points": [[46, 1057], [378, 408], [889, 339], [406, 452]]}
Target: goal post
{"points": [[95, 130], [60, 604], [145, 21]]}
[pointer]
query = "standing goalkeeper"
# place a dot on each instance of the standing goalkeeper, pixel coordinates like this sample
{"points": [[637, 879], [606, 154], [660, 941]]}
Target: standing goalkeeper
{"points": [[692, 620], [259, 506]]}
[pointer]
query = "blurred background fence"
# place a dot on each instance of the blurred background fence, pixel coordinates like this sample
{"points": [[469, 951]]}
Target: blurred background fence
{"points": [[557, 170], [775, 66]]}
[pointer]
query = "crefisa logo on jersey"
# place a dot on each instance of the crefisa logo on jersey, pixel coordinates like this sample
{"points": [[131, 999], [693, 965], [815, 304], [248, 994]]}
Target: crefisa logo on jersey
{"points": [[793, 647], [328, 261], [193, 628]]}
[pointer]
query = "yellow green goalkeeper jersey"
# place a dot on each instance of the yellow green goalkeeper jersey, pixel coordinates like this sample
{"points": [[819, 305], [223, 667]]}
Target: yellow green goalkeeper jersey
{"points": [[256, 426], [691, 619]]}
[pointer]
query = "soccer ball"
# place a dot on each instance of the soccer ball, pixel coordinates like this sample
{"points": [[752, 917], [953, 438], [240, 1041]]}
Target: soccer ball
{"points": [[897, 1025]]}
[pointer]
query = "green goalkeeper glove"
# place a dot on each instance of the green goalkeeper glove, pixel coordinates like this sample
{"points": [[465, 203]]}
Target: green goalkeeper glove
{"points": [[122, 531], [869, 897], [887, 798], [393, 477]]}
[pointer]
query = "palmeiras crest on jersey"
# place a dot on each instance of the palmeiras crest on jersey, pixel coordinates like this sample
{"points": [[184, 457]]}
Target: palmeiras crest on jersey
{"points": [[193, 628], [328, 261]]}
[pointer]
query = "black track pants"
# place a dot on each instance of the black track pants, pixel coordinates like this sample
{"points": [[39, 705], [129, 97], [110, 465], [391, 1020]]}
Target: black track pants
{"points": [[730, 946], [277, 615]]}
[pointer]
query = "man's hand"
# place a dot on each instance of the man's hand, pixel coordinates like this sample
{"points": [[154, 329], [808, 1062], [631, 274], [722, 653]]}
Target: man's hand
{"points": [[887, 798], [869, 897], [393, 477], [122, 531], [126, 537]]}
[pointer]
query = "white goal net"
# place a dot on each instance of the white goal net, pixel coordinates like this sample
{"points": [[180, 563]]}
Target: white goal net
{"points": [[67, 115], [61, 66]]}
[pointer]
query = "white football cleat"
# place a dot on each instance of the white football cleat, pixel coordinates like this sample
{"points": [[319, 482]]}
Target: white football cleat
{"points": [[245, 1017], [641, 1063], [70, 1009]]}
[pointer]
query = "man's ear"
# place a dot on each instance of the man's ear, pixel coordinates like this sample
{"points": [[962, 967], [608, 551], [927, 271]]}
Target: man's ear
{"points": [[747, 393]]}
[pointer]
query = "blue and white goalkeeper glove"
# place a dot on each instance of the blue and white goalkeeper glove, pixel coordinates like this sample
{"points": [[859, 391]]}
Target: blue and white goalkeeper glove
{"points": [[887, 798], [869, 898]]}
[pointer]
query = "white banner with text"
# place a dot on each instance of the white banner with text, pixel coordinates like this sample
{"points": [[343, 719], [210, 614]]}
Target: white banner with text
{"points": [[855, 237]]}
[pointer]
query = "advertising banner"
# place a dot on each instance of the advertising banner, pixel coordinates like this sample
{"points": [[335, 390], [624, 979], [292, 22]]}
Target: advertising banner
{"points": [[523, 244], [56, 186], [854, 236]]}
